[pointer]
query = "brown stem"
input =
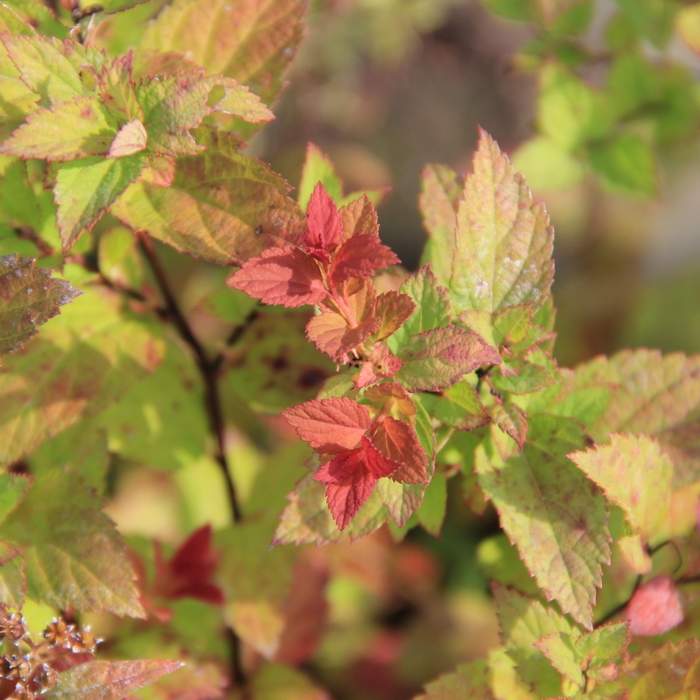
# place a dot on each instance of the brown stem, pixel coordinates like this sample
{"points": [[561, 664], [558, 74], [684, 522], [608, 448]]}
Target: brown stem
{"points": [[208, 370]]}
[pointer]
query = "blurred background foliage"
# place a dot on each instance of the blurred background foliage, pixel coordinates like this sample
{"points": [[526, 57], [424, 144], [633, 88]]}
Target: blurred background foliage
{"points": [[598, 101]]}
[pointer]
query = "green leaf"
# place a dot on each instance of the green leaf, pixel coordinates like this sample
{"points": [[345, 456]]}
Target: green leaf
{"points": [[13, 489], [500, 562], [109, 680], [520, 10], [222, 206], [256, 581], [635, 475], [503, 251], [541, 497], [432, 307], [523, 621], [66, 131], [651, 19], [29, 296], [277, 682], [431, 513], [45, 66], [253, 42], [688, 24], [625, 162], [274, 342], [73, 556], [468, 682], [160, 421], [76, 367], [401, 500], [569, 112], [546, 165], [13, 579], [85, 189], [318, 168]]}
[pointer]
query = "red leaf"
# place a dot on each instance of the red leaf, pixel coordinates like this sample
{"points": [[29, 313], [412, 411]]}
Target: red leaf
{"points": [[350, 477], [398, 442], [189, 573], [324, 227], [655, 608], [329, 425], [284, 276], [359, 258]]}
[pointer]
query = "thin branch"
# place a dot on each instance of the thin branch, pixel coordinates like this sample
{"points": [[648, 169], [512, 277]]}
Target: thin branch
{"points": [[209, 372], [235, 335], [611, 614]]}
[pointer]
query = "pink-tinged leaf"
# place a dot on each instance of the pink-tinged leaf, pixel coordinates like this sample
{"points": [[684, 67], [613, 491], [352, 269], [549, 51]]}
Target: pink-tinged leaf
{"points": [[222, 206], [241, 102], [359, 258], [543, 498], [398, 442], [655, 608], [502, 254], [391, 309], [253, 41], [350, 478], [636, 475], [130, 139], [441, 191], [511, 419], [331, 334], [360, 219], [109, 680], [284, 276], [329, 425], [440, 357], [324, 228], [73, 129]]}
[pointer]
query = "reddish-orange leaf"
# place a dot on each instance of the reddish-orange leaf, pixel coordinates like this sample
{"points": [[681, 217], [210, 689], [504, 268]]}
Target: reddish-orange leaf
{"points": [[655, 608], [398, 442], [331, 334], [360, 219], [381, 364], [329, 425], [350, 478], [359, 258], [284, 276], [324, 228], [391, 309]]}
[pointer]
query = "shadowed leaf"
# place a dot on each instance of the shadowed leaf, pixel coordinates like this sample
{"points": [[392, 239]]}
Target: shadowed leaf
{"points": [[29, 296]]}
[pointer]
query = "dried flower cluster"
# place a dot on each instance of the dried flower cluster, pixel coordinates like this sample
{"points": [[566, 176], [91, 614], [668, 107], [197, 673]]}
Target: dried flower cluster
{"points": [[29, 668]]}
